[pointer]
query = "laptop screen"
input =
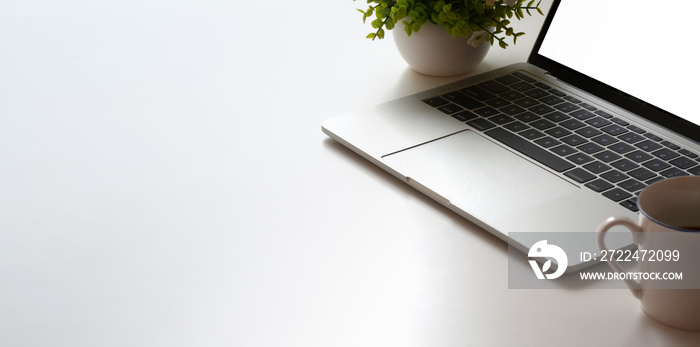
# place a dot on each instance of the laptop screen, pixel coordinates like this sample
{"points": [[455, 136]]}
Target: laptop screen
{"points": [[631, 46]]}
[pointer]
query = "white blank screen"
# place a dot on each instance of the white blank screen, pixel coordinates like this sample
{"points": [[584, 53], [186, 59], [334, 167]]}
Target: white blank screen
{"points": [[641, 47]]}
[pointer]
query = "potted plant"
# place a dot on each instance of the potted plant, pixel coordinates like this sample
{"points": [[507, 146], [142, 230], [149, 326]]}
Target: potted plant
{"points": [[446, 36]]}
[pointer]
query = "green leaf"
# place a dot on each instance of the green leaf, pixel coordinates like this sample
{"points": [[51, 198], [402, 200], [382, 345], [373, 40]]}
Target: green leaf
{"points": [[459, 18], [416, 26], [389, 24]]}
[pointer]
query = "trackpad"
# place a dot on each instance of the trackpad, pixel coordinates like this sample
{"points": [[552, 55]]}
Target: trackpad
{"points": [[479, 176]]}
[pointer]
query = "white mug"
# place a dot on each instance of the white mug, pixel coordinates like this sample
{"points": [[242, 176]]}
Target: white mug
{"points": [[668, 239]]}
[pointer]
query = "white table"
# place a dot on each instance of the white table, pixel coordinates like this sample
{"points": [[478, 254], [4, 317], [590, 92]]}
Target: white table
{"points": [[164, 182]]}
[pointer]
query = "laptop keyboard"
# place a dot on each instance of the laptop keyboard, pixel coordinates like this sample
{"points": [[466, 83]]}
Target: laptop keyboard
{"points": [[569, 135]]}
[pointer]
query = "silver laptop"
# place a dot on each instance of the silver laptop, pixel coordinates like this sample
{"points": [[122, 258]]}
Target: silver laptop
{"points": [[603, 107]]}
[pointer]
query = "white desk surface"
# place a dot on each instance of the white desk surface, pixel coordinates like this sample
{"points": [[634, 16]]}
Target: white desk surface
{"points": [[164, 182]]}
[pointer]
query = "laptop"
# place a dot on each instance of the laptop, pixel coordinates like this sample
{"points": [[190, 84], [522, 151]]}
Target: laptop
{"points": [[602, 108]]}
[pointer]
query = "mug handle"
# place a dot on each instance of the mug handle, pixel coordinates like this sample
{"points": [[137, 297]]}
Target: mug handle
{"points": [[633, 285]]}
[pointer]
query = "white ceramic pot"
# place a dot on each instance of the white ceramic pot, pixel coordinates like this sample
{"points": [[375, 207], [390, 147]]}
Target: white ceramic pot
{"points": [[432, 51]]}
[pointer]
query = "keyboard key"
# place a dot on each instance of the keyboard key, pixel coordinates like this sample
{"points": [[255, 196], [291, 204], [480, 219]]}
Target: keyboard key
{"points": [[671, 145], [638, 156], [531, 150], [604, 114], [599, 185], [542, 124], [614, 176], [621, 148], [464, 116], [436, 101], [624, 165], [531, 134], [501, 119], [582, 114], [536, 93], [527, 102], [636, 129], [590, 148], [563, 150], [558, 132], [572, 99], [642, 174], [541, 109], [579, 159], [478, 93], [588, 132], [567, 107], [687, 153], [493, 87], [498, 102], [656, 165], [481, 124], [683, 162], [607, 156], [631, 137], [673, 172], [557, 116], [572, 124], [666, 154], [552, 100], [653, 137], [694, 171], [463, 100], [516, 126], [617, 194], [588, 106], [508, 79], [450, 108], [522, 86], [579, 175], [619, 121], [547, 142], [604, 140], [615, 130], [524, 77], [633, 200], [628, 204], [512, 110], [596, 167], [486, 112], [527, 117], [648, 145], [557, 92], [574, 140], [632, 185], [511, 95], [598, 122]]}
